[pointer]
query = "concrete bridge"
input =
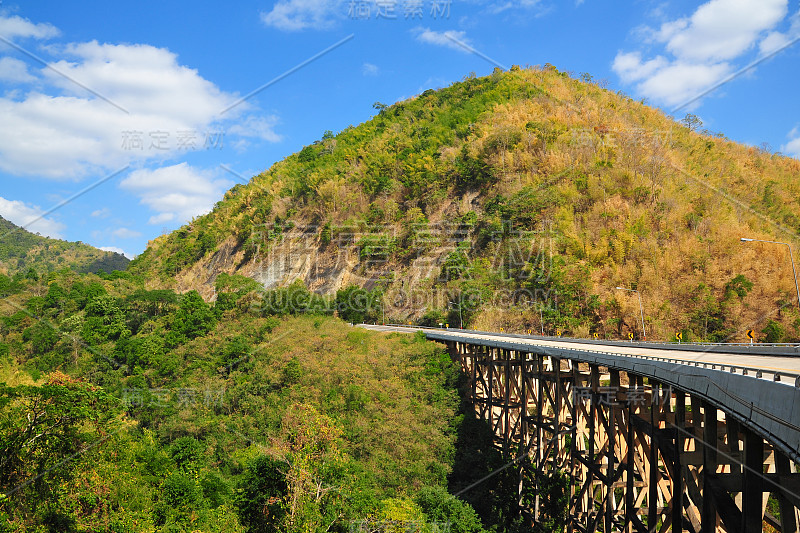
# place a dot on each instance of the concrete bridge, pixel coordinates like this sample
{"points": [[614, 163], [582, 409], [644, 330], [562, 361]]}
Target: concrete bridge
{"points": [[654, 437]]}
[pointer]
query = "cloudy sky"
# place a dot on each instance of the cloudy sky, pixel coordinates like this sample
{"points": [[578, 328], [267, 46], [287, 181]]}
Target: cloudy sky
{"points": [[120, 121]]}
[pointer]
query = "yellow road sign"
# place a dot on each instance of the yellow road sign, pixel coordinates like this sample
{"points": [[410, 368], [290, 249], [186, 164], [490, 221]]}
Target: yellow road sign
{"points": [[751, 334], [596, 336], [630, 335], [679, 336]]}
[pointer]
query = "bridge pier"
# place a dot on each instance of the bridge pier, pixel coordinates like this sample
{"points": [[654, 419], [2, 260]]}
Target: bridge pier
{"points": [[640, 454]]}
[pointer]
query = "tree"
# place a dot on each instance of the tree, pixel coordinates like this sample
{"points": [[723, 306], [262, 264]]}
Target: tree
{"points": [[152, 303], [710, 315], [105, 321], [311, 451], [83, 294], [193, 318], [235, 283], [292, 372], [261, 495], [739, 286], [553, 492], [180, 497], [55, 297], [46, 434], [5, 284], [692, 122], [356, 305], [472, 171], [43, 337], [456, 264], [292, 300], [546, 133]]}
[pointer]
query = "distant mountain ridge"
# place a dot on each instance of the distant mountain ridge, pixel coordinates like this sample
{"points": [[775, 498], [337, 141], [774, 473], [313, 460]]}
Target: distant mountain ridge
{"points": [[21, 250]]}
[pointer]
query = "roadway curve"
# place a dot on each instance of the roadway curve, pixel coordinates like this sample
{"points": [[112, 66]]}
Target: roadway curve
{"points": [[762, 391], [786, 365]]}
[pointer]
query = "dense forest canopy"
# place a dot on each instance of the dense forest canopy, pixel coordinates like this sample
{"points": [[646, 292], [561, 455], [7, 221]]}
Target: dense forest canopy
{"points": [[128, 409]]}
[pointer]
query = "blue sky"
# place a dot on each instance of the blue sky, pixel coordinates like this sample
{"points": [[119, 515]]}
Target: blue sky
{"points": [[120, 121]]}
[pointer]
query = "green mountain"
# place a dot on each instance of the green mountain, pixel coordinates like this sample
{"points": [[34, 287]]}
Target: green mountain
{"points": [[21, 250], [518, 200]]}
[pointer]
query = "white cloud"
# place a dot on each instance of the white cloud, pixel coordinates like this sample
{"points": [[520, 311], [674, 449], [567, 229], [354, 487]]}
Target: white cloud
{"points": [[699, 49], [61, 131], [499, 7], [681, 82], [102, 213], [442, 38], [296, 15], [368, 69], [60, 137], [671, 83], [13, 27], [257, 127], [14, 70], [30, 217], [772, 42], [792, 147], [125, 233], [161, 218], [722, 30], [631, 68], [177, 192], [116, 250], [145, 80], [776, 40]]}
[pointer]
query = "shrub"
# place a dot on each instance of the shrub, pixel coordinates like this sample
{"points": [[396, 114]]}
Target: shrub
{"points": [[442, 507], [186, 452], [774, 332], [180, 491]]}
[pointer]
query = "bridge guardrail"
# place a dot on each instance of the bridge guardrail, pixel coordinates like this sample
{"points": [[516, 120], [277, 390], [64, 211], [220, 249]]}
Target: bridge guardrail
{"points": [[770, 349], [758, 373]]}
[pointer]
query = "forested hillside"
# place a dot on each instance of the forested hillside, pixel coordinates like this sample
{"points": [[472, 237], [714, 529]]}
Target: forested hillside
{"points": [[125, 409], [518, 200], [24, 252]]}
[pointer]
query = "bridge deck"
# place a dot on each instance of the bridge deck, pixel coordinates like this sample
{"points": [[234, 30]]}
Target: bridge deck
{"points": [[768, 402]]}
